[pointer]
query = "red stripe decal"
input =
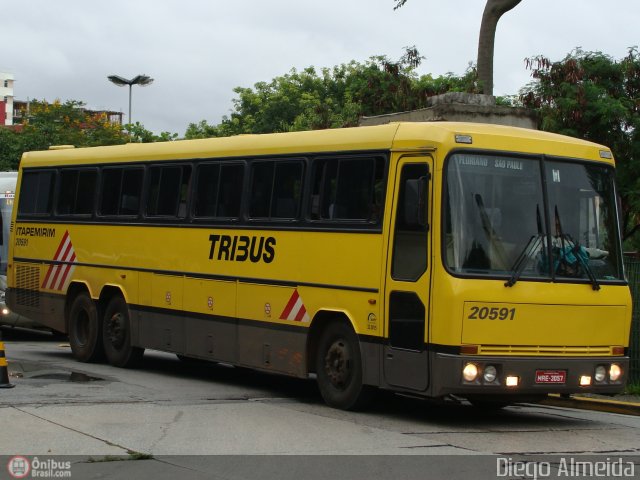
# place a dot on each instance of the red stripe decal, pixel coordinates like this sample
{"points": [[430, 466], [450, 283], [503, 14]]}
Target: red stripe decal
{"points": [[290, 305]]}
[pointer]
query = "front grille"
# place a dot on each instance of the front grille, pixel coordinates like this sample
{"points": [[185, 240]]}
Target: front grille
{"points": [[28, 285], [545, 350]]}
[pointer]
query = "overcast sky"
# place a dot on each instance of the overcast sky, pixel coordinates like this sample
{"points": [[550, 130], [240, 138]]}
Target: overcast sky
{"points": [[198, 51]]}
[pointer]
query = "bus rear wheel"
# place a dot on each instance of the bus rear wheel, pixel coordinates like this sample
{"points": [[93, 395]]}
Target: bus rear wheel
{"points": [[117, 335], [85, 329], [339, 369]]}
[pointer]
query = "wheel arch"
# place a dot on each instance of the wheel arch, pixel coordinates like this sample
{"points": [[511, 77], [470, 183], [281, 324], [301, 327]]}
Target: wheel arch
{"points": [[75, 288], [108, 292], [321, 320]]}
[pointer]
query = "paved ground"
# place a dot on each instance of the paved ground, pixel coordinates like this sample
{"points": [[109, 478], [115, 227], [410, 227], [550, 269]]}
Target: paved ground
{"points": [[171, 420]]}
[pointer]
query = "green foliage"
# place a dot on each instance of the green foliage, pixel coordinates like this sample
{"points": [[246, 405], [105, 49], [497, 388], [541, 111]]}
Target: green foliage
{"points": [[11, 148], [632, 389], [593, 96], [333, 98], [67, 123], [136, 133]]}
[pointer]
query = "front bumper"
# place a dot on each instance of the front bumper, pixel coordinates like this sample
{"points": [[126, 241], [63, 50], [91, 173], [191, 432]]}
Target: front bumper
{"points": [[447, 375]]}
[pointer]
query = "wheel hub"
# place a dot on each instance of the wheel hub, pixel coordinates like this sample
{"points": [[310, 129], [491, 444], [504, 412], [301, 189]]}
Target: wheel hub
{"points": [[115, 330], [338, 364]]}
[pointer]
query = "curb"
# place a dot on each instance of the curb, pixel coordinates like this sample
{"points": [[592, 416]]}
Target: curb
{"points": [[598, 404]]}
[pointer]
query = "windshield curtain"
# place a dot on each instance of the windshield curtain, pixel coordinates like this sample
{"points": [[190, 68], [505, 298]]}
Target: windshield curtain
{"points": [[496, 223]]}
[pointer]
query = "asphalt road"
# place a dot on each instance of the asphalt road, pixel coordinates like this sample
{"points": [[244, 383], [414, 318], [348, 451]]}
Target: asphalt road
{"points": [[171, 419]]}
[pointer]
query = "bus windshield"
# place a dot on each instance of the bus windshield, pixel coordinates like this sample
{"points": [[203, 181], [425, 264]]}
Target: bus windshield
{"points": [[498, 223]]}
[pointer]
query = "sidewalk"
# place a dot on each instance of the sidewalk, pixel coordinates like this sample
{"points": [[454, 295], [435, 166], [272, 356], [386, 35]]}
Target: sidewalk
{"points": [[623, 404]]}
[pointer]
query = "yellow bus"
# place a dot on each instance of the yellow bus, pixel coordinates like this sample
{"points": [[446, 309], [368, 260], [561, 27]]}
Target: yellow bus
{"points": [[436, 259]]}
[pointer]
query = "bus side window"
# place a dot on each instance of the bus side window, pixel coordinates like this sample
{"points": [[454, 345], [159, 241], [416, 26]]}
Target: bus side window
{"points": [[131, 191], [36, 193], [77, 191], [349, 188], [168, 190], [230, 190], [121, 190], [206, 194], [276, 189], [218, 191]]}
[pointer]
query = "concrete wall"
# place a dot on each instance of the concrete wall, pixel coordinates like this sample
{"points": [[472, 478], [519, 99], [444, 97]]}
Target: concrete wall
{"points": [[461, 107]]}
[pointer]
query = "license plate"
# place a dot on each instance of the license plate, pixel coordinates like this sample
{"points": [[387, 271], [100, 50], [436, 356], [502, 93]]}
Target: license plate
{"points": [[551, 376]]}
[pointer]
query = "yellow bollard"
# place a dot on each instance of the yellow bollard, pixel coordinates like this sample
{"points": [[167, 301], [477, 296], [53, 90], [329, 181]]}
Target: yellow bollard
{"points": [[4, 368]]}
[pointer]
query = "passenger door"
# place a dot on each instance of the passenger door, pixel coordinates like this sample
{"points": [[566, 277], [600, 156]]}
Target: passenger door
{"points": [[405, 361]]}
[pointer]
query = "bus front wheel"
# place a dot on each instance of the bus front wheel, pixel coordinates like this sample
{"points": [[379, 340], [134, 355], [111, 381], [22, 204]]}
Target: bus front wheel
{"points": [[339, 369], [117, 335], [85, 329]]}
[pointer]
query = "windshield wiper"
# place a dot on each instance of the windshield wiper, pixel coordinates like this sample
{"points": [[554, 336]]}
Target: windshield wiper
{"points": [[527, 253], [575, 249], [521, 262]]}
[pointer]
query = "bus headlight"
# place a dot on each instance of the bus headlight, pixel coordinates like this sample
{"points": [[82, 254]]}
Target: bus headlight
{"points": [[600, 374], [615, 372], [490, 374], [470, 372]]}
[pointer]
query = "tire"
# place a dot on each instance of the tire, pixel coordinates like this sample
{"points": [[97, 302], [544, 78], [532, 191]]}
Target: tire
{"points": [[85, 329], [339, 369], [116, 334]]}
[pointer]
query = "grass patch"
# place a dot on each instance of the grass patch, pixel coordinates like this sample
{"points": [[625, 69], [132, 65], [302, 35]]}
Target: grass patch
{"points": [[633, 388]]}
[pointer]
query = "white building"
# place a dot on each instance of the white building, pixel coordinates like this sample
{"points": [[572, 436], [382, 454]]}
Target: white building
{"points": [[6, 98]]}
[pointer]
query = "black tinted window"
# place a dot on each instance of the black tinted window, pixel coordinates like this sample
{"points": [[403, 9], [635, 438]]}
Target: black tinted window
{"points": [[276, 189], [36, 193], [348, 189], [168, 189], [121, 191], [219, 190], [77, 189]]}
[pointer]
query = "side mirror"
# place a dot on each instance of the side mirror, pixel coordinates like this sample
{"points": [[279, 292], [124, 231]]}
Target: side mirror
{"points": [[415, 202]]}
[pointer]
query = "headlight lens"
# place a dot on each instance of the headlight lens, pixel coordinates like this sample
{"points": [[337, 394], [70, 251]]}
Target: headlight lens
{"points": [[600, 373], [470, 372], [615, 372], [490, 374]]}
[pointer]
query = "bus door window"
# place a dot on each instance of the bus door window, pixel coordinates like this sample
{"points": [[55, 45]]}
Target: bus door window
{"points": [[411, 229], [410, 245]]}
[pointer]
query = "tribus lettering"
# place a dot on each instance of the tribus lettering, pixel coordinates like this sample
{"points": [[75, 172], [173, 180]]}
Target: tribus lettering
{"points": [[241, 248]]}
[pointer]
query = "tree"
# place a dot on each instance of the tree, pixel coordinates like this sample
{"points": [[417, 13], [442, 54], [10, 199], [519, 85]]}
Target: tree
{"points": [[493, 10], [66, 123], [593, 96], [333, 98], [136, 133]]}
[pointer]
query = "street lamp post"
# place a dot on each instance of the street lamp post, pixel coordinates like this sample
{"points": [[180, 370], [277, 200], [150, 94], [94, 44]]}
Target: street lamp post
{"points": [[142, 80]]}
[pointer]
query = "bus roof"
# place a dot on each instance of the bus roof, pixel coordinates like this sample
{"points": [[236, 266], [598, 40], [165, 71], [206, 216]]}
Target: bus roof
{"points": [[393, 136]]}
